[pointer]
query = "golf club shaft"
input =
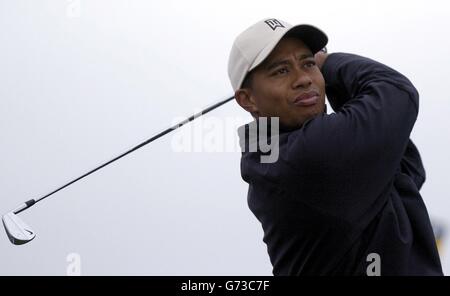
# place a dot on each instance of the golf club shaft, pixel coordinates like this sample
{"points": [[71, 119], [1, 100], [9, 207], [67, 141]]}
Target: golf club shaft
{"points": [[31, 202]]}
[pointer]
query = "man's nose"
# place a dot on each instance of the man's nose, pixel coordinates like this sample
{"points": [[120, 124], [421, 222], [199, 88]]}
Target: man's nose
{"points": [[301, 79]]}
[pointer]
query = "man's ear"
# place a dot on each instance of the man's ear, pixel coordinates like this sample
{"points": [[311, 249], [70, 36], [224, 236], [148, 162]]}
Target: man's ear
{"points": [[244, 98]]}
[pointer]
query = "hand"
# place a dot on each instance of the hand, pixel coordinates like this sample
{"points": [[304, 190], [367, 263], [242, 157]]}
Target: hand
{"points": [[320, 57]]}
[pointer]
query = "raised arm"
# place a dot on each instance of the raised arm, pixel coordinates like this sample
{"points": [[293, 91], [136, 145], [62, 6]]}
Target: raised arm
{"points": [[342, 162]]}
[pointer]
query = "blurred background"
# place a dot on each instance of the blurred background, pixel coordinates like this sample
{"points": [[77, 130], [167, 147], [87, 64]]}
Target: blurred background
{"points": [[83, 81]]}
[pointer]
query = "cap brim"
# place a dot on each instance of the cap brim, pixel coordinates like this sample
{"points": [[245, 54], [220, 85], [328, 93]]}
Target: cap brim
{"points": [[313, 37]]}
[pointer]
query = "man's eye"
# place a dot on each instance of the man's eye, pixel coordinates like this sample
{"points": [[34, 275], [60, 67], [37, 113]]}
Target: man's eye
{"points": [[280, 71], [310, 64]]}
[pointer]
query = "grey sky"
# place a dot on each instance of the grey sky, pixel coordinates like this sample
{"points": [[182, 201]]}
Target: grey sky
{"points": [[81, 86]]}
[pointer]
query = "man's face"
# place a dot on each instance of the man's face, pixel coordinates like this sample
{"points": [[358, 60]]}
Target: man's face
{"points": [[288, 85]]}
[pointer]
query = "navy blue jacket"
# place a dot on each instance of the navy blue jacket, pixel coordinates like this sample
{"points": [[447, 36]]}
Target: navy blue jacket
{"points": [[346, 185]]}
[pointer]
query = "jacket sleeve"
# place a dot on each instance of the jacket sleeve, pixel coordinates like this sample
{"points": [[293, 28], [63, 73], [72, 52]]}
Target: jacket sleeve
{"points": [[343, 161], [412, 166]]}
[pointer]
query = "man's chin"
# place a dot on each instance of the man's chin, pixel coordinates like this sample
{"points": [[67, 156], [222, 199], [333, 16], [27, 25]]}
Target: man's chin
{"points": [[311, 116]]}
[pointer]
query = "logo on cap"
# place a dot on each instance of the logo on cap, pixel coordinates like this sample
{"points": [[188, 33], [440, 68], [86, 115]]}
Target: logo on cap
{"points": [[274, 23]]}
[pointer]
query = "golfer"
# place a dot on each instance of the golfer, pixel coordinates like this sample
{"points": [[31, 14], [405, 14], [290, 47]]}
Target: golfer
{"points": [[342, 197]]}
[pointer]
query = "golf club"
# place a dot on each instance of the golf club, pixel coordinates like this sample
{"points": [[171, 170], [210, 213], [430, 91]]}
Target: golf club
{"points": [[20, 233]]}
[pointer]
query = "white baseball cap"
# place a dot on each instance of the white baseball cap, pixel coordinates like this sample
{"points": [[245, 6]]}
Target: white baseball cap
{"points": [[255, 44]]}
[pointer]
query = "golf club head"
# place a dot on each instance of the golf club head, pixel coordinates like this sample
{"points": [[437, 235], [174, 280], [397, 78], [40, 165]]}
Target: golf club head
{"points": [[18, 232]]}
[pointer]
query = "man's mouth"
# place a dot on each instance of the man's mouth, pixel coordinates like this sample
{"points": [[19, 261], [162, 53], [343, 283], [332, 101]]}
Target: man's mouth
{"points": [[307, 99]]}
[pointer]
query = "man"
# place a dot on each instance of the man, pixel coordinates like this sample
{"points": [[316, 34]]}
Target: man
{"points": [[343, 196]]}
